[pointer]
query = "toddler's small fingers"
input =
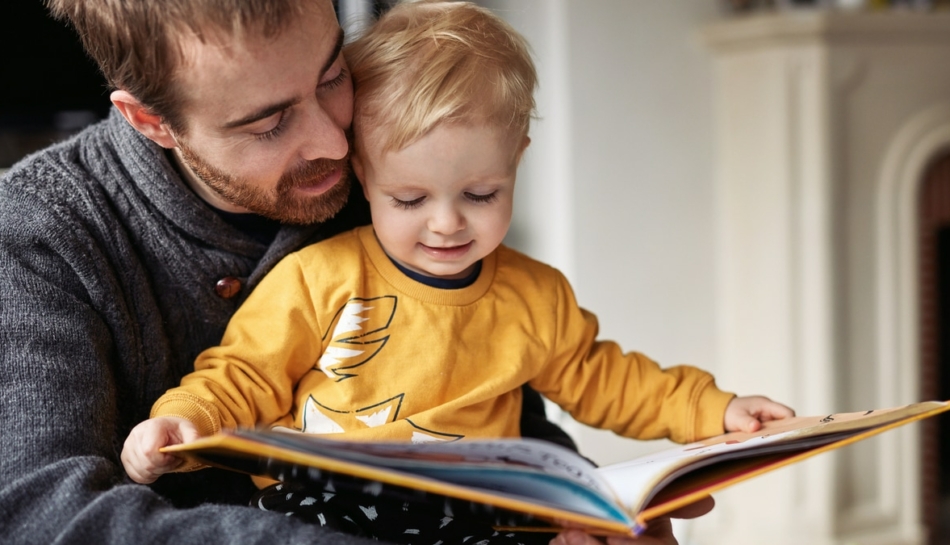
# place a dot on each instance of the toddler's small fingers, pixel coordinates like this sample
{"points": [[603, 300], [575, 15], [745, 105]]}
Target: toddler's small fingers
{"points": [[752, 425], [777, 411]]}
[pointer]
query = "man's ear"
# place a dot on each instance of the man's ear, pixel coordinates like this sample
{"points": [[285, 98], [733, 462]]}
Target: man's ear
{"points": [[142, 119]]}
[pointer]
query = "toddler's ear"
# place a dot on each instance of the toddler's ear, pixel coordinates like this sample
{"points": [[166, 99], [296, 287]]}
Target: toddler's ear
{"points": [[524, 145], [357, 164]]}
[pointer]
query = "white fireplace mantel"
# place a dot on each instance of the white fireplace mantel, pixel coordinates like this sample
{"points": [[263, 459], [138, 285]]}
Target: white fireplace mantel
{"points": [[825, 122], [798, 27]]}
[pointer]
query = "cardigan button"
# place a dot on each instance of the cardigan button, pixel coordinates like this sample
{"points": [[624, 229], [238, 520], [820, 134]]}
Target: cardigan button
{"points": [[227, 287]]}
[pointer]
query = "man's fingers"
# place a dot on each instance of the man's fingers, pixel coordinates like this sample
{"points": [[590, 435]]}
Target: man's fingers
{"points": [[695, 509], [658, 532], [575, 537]]}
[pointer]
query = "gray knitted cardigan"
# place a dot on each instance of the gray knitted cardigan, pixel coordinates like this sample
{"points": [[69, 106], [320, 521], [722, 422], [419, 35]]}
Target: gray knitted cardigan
{"points": [[108, 264]]}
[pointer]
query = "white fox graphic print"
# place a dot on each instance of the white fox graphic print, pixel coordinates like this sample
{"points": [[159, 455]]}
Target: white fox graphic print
{"points": [[358, 333]]}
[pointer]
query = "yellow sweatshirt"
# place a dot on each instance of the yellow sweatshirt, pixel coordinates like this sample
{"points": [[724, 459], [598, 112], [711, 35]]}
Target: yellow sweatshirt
{"points": [[337, 340]]}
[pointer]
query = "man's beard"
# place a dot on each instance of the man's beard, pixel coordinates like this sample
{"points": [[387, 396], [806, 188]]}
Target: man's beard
{"points": [[281, 203]]}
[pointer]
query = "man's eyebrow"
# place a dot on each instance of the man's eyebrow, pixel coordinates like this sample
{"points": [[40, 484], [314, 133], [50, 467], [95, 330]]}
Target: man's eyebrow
{"points": [[263, 113], [334, 54], [272, 109]]}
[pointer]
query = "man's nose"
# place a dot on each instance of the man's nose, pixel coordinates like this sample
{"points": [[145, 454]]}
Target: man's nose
{"points": [[446, 220], [322, 137]]}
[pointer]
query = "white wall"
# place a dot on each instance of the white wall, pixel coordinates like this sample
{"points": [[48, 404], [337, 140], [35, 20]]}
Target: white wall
{"points": [[617, 187], [621, 190]]}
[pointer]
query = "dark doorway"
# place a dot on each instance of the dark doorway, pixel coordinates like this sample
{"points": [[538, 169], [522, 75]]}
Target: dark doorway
{"points": [[935, 344]]}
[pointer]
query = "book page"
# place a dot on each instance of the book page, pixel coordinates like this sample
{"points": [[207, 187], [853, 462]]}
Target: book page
{"points": [[544, 457], [522, 476], [636, 481]]}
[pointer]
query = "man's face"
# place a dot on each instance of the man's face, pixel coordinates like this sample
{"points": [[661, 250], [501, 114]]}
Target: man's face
{"points": [[266, 121]]}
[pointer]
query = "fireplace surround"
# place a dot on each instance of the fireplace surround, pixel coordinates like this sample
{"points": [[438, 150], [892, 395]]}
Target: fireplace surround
{"points": [[826, 125]]}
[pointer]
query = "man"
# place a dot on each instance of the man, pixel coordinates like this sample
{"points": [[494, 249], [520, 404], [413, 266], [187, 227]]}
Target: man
{"points": [[124, 252]]}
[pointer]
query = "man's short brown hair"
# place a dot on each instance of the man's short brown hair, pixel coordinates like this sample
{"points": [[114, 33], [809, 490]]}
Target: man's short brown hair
{"points": [[137, 43]]}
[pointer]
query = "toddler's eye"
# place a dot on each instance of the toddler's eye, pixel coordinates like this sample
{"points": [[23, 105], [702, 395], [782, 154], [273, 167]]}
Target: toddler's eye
{"points": [[408, 205], [482, 198]]}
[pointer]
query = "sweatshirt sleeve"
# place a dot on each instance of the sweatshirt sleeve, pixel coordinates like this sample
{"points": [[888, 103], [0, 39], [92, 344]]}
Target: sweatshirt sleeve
{"points": [[628, 393], [249, 379], [61, 408]]}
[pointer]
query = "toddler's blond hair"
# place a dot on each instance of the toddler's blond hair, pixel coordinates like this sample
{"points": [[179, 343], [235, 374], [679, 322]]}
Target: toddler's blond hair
{"points": [[430, 62]]}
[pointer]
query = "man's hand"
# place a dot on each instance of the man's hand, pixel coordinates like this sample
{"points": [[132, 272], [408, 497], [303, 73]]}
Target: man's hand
{"points": [[140, 455], [659, 531], [748, 413]]}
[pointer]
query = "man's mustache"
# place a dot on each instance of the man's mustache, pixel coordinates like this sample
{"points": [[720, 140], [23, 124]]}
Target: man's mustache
{"points": [[311, 172]]}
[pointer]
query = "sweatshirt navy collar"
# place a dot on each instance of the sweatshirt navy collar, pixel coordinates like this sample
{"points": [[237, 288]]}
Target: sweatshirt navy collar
{"points": [[441, 283]]}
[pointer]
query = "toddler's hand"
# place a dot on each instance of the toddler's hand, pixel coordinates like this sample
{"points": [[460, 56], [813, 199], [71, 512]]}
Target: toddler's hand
{"points": [[140, 455], [748, 413]]}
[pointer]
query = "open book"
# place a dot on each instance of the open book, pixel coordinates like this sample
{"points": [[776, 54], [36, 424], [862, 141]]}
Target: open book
{"points": [[532, 485]]}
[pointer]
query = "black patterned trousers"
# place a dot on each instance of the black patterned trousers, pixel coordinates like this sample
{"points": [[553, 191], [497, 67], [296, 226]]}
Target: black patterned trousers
{"points": [[396, 514]]}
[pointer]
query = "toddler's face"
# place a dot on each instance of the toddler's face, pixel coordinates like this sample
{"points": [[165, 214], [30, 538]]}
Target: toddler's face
{"points": [[443, 202]]}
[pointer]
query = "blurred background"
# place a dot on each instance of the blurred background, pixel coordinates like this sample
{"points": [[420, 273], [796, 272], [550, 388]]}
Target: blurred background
{"points": [[758, 188], [48, 87]]}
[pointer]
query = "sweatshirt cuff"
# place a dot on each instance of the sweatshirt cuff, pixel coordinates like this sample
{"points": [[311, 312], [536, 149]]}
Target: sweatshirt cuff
{"points": [[711, 412], [201, 413]]}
